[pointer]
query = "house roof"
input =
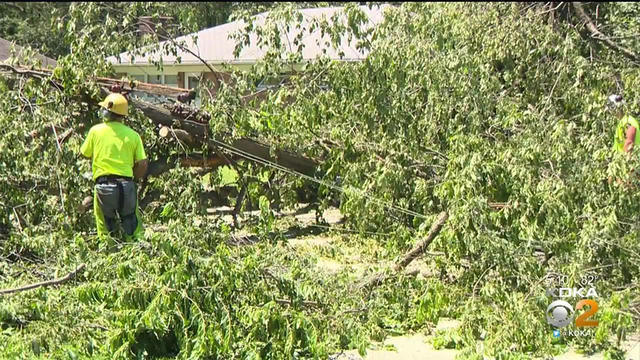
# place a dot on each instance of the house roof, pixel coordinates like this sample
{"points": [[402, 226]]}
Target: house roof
{"points": [[216, 47], [5, 53]]}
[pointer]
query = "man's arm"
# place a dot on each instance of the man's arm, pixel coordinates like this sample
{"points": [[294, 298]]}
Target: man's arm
{"points": [[631, 139], [140, 161], [86, 149], [140, 168]]}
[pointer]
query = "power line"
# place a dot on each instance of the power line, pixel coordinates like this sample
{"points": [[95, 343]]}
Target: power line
{"points": [[344, 230], [335, 187], [313, 179]]}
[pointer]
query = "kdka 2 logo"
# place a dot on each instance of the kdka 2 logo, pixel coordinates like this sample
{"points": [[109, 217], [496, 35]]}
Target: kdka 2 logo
{"points": [[560, 313]]}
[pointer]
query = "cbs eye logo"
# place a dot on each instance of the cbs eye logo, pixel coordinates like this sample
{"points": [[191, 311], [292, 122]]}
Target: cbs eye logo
{"points": [[560, 313]]}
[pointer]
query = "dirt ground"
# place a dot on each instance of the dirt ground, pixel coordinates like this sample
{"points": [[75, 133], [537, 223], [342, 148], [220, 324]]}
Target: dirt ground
{"points": [[417, 347], [407, 347]]}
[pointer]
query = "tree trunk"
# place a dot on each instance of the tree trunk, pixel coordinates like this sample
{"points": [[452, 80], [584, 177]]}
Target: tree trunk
{"points": [[245, 148], [162, 165]]}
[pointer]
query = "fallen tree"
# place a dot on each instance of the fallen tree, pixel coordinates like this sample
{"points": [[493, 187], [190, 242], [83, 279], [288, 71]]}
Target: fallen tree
{"points": [[174, 122], [189, 124], [198, 134]]}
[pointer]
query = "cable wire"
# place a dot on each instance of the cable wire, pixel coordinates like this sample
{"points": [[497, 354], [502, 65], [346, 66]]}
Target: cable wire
{"points": [[350, 231], [313, 179]]}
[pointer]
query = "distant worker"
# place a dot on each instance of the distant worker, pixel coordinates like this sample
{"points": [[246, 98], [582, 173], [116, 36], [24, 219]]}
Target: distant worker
{"points": [[625, 138], [116, 154]]}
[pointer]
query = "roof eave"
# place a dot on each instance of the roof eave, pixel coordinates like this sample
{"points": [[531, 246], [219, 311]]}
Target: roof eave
{"points": [[220, 62]]}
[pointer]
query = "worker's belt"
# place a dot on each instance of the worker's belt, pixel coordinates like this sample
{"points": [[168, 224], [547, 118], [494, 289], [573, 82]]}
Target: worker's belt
{"points": [[112, 179]]}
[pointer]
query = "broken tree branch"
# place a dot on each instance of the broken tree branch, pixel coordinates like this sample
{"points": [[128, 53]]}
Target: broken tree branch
{"points": [[422, 247], [598, 35], [39, 73], [14, 5], [418, 250], [59, 281], [67, 134]]}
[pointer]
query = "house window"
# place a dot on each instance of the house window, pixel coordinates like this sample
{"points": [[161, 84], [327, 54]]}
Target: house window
{"points": [[194, 82], [171, 80], [154, 79]]}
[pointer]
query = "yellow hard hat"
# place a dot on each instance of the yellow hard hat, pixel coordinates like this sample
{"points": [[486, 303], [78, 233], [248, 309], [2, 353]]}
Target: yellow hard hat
{"points": [[116, 103]]}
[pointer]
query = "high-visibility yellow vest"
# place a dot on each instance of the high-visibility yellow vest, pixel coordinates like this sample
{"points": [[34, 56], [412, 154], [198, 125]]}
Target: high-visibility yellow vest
{"points": [[113, 148], [621, 133]]}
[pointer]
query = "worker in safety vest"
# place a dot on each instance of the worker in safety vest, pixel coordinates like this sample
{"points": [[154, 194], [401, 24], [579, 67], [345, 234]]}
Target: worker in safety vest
{"points": [[625, 138], [117, 155]]}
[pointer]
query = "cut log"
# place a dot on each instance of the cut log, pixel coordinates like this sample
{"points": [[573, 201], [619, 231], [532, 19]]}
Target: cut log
{"points": [[164, 132], [182, 135]]}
